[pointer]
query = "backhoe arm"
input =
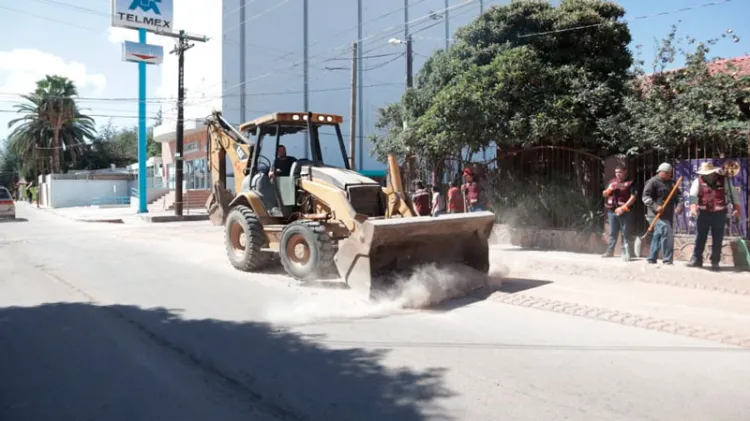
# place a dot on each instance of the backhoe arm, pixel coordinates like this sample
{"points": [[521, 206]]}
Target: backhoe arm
{"points": [[398, 201], [224, 141]]}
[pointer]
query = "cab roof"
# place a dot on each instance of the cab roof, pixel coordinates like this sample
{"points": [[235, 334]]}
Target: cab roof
{"points": [[289, 118]]}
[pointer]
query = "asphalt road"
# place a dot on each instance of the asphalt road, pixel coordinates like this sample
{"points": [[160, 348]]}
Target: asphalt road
{"points": [[149, 321]]}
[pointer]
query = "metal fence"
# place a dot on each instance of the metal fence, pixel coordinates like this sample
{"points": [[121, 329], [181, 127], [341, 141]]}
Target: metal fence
{"points": [[551, 187], [686, 162]]}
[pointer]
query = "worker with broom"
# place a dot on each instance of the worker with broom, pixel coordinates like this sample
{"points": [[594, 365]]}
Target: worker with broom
{"points": [[656, 193], [711, 197], [620, 194]]}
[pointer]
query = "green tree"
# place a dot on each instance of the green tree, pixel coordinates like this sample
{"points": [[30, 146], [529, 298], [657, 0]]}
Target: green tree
{"points": [[521, 74], [51, 123], [704, 101]]}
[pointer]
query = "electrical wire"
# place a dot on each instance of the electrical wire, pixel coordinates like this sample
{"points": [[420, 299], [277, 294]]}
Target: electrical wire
{"points": [[164, 99], [379, 35], [653, 15], [74, 25]]}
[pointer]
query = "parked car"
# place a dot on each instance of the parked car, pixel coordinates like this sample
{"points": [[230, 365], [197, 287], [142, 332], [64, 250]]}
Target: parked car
{"points": [[7, 206]]}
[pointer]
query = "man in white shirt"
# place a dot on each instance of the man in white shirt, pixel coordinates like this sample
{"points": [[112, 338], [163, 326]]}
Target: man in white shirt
{"points": [[712, 196]]}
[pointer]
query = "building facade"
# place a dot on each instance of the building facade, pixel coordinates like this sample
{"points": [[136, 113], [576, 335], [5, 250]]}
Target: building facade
{"points": [[265, 48], [195, 151]]}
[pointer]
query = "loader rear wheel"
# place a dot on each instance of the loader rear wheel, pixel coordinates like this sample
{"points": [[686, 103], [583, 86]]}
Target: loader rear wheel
{"points": [[244, 239], [305, 250]]}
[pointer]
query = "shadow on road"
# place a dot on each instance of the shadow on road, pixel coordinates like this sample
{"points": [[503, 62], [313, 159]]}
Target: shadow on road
{"points": [[11, 221], [72, 361], [516, 285]]}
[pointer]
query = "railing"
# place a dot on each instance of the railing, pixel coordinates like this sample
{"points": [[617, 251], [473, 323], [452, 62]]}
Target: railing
{"points": [[110, 200]]}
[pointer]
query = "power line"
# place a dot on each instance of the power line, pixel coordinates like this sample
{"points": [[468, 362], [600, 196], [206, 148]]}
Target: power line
{"points": [[74, 25], [609, 22], [169, 99]]}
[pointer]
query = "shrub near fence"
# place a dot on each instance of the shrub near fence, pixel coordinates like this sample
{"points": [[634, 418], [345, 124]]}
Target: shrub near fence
{"points": [[551, 198]]}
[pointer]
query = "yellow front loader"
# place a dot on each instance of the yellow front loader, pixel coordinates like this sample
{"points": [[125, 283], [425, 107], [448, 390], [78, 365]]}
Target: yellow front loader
{"points": [[319, 216]]}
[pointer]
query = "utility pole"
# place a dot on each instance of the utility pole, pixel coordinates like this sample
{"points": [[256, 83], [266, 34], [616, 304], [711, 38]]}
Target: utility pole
{"points": [[360, 79], [481, 6], [243, 69], [353, 110], [182, 45], [409, 62], [447, 26], [305, 30]]}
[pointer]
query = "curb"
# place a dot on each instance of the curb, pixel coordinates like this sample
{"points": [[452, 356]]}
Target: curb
{"points": [[172, 218], [618, 317]]}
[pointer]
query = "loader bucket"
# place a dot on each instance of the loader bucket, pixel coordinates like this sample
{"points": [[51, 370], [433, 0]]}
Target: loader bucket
{"points": [[373, 258], [217, 204]]}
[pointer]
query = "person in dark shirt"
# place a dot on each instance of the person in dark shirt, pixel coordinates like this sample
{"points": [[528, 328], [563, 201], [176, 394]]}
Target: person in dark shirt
{"points": [[620, 194], [421, 199], [655, 194], [282, 165]]}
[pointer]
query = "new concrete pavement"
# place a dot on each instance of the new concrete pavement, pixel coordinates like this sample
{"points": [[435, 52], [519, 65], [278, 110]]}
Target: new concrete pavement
{"points": [[149, 321]]}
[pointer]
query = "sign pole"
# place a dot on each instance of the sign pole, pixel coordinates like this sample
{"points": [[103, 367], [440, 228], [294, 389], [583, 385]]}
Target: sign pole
{"points": [[142, 143]]}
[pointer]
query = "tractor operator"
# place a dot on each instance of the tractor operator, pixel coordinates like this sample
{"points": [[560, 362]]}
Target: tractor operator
{"points": [[711, 197], [282, 165]]}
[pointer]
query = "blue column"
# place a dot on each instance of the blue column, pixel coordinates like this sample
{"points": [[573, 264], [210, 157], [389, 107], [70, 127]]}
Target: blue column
{"points": [[142, 144]]}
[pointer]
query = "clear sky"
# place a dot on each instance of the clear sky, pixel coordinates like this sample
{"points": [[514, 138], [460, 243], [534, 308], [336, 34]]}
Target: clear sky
{"points": [[73, 38]]}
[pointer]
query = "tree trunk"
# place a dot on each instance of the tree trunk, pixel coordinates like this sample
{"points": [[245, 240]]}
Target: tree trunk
{"points": [[56, 150]]}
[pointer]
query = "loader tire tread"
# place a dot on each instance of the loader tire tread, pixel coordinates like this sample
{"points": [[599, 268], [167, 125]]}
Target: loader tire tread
{"points": [[325, 248], [255, 258]]}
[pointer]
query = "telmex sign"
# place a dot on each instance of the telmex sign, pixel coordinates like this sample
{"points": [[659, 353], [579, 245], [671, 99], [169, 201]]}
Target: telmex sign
{"points": [[146, 53], [152, 15]]}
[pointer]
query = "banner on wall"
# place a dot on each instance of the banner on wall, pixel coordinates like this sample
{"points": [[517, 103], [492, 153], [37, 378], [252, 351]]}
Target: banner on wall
{"points": [[736, 169]]}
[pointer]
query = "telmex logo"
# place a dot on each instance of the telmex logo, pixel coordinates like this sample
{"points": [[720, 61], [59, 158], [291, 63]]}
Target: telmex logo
{"points": [[146, 6]]}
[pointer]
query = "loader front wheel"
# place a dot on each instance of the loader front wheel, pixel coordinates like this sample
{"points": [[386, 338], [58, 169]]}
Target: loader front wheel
{"points": [[305, 250], [244, 239]]}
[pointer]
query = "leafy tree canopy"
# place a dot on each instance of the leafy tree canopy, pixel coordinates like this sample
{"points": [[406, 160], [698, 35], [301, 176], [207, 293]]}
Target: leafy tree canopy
{"points": [[521, 74], [707, 100]]}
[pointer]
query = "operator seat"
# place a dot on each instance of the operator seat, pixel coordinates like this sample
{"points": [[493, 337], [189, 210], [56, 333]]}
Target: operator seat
{"points": [[262, 185]]}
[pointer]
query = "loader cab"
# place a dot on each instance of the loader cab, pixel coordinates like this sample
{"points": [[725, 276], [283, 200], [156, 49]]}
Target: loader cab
{"points": [[288, 129]]}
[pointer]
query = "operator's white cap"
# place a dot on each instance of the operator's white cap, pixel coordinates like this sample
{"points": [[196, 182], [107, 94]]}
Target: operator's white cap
{"points": [[664, 167]]}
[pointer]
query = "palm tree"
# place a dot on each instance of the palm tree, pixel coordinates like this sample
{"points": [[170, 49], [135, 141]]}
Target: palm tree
{"points": [[52, 121]]}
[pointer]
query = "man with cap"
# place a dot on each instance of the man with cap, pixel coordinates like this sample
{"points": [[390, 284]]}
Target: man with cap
{"points": [[472, 191], [711, 197], [655, 194]]}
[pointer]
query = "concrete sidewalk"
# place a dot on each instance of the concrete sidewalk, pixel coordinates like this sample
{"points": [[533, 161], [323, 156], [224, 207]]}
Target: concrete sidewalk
{"points": [[124, 214], [676, 299]]}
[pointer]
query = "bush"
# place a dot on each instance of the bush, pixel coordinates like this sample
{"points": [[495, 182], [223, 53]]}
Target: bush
{"points": [[557, 203]]}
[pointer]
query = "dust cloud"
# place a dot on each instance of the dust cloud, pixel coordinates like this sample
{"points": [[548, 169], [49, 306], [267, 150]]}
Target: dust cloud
{"points": [[428, 286]]}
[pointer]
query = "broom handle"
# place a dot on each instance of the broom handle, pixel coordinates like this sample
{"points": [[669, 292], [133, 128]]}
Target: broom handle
{"points": [[669, 199]]}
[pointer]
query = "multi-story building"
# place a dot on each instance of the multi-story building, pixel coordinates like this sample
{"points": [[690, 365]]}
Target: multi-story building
{"points": [[264, 44]]}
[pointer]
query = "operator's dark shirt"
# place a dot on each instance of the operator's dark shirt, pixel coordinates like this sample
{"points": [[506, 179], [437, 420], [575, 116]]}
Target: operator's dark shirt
{"points": [[283, 166]]}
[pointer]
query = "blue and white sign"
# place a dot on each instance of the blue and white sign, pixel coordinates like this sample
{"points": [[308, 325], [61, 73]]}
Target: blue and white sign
{"points": [[151, 15], [142, 53]]}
